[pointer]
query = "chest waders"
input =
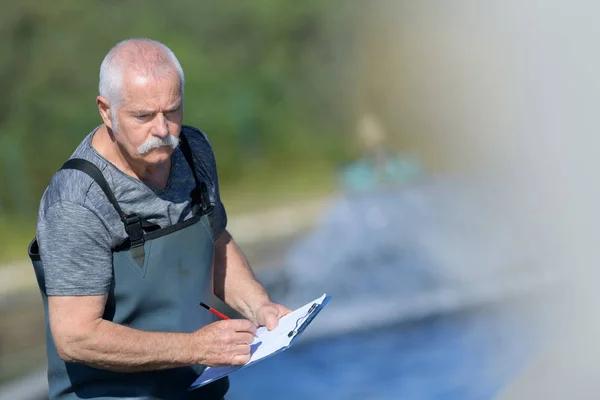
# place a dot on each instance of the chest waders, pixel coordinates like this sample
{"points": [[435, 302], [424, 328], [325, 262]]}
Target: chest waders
{"points": [[159, 277]]}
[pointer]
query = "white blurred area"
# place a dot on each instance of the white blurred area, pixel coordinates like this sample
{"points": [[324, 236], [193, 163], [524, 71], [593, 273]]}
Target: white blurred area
{"points": [[506, 94]]}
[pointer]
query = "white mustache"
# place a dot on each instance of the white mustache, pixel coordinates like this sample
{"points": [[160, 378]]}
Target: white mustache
{"points": [[155, 142]]}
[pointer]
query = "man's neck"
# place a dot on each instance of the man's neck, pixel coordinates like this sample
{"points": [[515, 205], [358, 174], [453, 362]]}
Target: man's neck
{"points": [[153, 176]]}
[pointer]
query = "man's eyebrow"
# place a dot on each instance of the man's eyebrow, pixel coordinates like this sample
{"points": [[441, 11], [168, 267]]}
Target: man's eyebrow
{"points": [[142, 112], [174, 108], [151, 112]]}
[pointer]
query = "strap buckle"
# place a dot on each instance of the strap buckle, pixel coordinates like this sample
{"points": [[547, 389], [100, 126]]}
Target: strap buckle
{"points": [[201, 199], [133, 227]]}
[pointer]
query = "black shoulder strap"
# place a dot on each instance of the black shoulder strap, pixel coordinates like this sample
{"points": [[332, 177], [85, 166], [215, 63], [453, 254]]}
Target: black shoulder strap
{"points": [[94, 172], [200, 193], [133, 223], [187, 153]]}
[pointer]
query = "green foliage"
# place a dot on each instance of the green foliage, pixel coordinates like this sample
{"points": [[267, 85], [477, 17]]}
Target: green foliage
{"points": [[267, 80], [15, 235]]}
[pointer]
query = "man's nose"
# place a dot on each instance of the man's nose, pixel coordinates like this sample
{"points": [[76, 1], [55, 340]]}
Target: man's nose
{"points": [[160, 125]]}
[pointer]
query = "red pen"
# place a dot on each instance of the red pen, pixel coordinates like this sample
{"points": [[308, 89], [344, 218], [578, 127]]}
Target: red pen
{"points": [[212, 310]]}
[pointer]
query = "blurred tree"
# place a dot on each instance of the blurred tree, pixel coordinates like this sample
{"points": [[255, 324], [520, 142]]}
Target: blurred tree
{"points": [[266, 80]]}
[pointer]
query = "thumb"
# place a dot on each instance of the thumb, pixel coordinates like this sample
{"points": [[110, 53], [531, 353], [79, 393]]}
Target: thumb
{"points": [[271, 320]]}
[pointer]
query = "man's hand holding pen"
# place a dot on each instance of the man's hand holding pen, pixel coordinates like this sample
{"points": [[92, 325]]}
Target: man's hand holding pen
{"points": [[227, 342]]}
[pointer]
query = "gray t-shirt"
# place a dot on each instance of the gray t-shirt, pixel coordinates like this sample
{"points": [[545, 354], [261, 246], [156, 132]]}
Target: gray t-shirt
{"points": [[77, 225]]}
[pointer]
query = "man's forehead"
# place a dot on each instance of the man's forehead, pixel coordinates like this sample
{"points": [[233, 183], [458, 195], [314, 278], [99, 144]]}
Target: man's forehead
{"points": [[140, 91], [151, 105], [133, 81]]}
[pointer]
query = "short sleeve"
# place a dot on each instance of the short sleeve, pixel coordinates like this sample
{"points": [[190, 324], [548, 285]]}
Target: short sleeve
{"points": [[220, 218], [220, 215], [75, 250]]}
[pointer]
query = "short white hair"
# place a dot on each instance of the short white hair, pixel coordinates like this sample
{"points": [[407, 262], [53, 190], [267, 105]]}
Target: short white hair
{"points": [[145, 56]]}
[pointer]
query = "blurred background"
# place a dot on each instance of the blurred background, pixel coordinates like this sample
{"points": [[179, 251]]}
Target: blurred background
{"points": [[431, 165]]}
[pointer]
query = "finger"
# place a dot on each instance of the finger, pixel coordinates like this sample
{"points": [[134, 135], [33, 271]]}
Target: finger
{"points": [[271, 321], [242, 349], [240, 359], [243, 325], [284, 311], [244, 338]]}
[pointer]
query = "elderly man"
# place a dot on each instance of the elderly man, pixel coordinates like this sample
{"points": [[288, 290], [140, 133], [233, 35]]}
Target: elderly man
{"points": [[131, 237]]}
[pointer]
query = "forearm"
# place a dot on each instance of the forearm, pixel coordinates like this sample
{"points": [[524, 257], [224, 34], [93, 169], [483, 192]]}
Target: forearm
{"points": [[234, 281], [119, 348]]}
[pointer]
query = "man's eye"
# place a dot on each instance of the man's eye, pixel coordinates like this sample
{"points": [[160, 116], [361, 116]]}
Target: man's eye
{"points": [[172, 113], [143, 117]]}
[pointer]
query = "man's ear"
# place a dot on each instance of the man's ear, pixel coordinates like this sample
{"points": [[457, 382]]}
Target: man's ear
{"points": [[105, 112]]}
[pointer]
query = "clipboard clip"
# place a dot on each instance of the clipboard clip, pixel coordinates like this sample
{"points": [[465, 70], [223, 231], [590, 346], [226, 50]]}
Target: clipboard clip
{"points": [[297, 329]]}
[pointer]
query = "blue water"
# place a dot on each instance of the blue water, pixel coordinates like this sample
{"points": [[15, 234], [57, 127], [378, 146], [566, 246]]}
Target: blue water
{"points": [[464, 356]]}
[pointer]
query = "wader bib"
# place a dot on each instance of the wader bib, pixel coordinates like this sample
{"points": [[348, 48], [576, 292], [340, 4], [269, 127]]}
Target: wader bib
{"points": [[159, 277]]}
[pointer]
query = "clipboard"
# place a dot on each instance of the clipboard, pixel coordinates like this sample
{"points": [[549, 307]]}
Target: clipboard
{"points": [[309, 318], [270, 343]]}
